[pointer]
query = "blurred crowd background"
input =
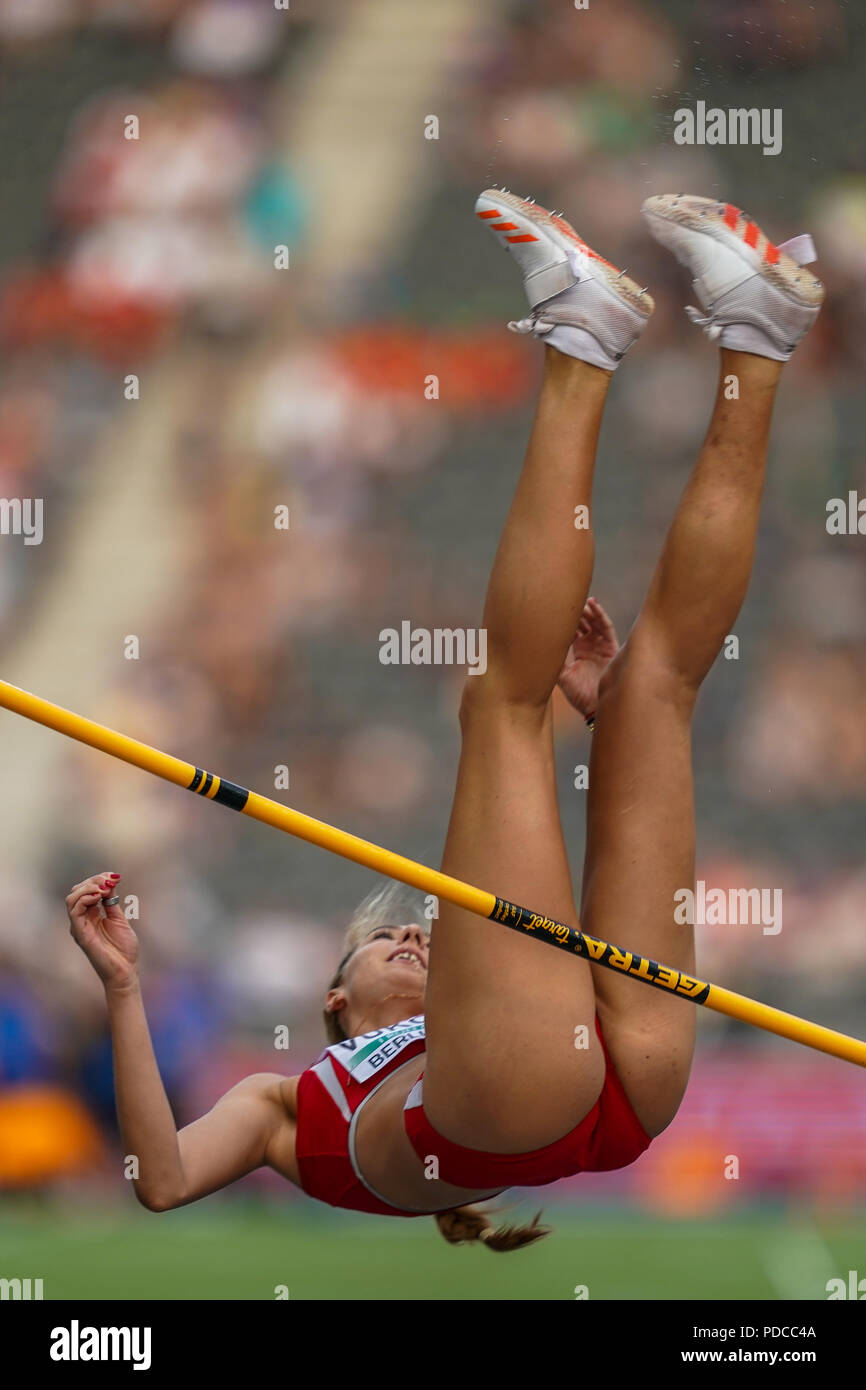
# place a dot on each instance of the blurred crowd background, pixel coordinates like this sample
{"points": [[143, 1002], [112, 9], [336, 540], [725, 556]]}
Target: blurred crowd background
{"points": [[304, 387]]}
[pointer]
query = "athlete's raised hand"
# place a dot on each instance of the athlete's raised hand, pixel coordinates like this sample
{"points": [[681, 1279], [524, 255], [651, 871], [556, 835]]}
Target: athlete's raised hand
{"points": [[593, 647], [103, 933]]}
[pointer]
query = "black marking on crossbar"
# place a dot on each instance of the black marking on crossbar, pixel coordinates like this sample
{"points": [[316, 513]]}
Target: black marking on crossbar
{"points": [[227, 793], [600, 952]]}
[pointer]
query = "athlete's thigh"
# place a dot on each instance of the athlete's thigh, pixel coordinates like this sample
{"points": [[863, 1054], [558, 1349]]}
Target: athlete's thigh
{"points": [[640, 850], [504, 1011]]}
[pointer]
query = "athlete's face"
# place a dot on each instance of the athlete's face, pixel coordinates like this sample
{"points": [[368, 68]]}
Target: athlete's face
{"points": [[384, 980]]}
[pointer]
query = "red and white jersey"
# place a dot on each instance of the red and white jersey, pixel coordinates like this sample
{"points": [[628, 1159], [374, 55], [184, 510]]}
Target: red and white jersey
{"points": [[330, 1096], [332, 1093]]}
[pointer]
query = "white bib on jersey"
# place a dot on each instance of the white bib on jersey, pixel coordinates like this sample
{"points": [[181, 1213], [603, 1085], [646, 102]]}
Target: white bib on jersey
{"points": [[367, 1054]]}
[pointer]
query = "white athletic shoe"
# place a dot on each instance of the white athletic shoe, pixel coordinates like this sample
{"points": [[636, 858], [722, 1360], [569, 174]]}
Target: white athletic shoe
{"points": [[581, 304], [757, 297]]}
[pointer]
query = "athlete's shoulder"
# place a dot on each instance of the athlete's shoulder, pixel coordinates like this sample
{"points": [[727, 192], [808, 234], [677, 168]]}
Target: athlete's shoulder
{"points": [[269, 1087], [275, 1098]]}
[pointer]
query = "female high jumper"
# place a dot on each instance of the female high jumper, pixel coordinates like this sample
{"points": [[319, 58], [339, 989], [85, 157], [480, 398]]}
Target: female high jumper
{"points": [[535, 1065]]}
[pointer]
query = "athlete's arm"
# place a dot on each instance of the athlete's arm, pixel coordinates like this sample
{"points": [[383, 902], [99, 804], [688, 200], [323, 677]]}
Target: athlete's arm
{"points": [[253, 1124], [247, 1128]]}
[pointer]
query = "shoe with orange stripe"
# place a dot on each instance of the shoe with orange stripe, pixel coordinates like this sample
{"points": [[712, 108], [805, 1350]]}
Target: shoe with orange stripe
{"points": [[757, 297], [581, 304]]}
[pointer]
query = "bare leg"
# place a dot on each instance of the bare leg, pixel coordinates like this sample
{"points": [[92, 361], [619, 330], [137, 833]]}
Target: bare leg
{"points": [[502, 1010], [640, 834], [543, 566]]}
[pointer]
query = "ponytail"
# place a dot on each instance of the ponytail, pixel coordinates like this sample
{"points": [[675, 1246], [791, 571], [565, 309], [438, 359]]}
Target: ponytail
{"points": [[464, 1225]]}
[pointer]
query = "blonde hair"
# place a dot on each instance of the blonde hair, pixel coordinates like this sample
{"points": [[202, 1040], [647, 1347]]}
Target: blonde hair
{"points": [[393, 904], [389, 904]]}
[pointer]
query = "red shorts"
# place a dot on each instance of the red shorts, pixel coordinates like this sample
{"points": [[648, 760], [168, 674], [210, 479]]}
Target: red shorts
{"points": [[610, 1136]]}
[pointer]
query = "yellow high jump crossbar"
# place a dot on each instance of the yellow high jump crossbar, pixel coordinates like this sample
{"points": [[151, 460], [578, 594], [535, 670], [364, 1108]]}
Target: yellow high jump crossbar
{"points": [[476, 900]]}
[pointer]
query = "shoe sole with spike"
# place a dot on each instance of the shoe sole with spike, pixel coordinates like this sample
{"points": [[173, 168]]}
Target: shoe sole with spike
{"points": [[673, 217], [549, 252]]}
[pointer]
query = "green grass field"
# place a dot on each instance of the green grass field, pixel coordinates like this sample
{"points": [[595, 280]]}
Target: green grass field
{"points": [[243, 1252]]}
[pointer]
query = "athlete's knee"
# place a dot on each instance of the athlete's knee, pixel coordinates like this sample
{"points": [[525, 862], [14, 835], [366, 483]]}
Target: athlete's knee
{"points": [[495, 696], [647, 668]]}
